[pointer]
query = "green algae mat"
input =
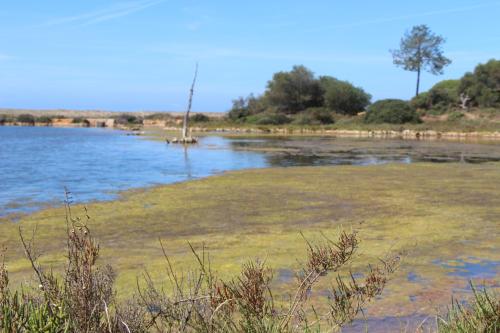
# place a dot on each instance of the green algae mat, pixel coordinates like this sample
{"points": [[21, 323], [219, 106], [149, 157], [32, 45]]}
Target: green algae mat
{"points": [[445, 218]]}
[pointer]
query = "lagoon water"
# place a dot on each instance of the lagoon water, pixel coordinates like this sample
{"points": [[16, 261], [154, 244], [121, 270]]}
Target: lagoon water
{"points": [[38, 163]]}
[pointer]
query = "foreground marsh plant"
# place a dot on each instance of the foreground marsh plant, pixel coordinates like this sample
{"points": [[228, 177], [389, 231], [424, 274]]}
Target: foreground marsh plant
{"points": [[83, 298], [202, 302], [481, 314]]}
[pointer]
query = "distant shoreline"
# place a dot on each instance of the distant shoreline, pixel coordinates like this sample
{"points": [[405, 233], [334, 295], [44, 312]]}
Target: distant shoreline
{"points": [[94, 113], [172, 121], [407, 134]]}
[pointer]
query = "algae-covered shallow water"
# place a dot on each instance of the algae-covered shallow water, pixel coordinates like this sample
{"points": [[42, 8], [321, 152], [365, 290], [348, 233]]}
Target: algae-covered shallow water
{"points": [[37, 163], [443, 217]]}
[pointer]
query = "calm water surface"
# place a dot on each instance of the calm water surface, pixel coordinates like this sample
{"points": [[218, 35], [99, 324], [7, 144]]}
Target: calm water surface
{"points": [[37, 163]]}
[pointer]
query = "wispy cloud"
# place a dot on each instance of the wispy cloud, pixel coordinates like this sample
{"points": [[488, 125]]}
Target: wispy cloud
{"points": [[116, 11], [406, 17]]}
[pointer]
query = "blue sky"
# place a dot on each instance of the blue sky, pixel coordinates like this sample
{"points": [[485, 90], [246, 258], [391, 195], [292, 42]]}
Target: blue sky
{"points": [[140, 54]]}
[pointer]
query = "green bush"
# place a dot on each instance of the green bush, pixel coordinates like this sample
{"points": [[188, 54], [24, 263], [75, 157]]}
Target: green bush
{"points": [[454, 116], [305, 118], [441, 97], [78, 120], [159, 116], [299, 91], [444, 95], [483, 85], [44, 120], [4, 119], [314, 116], [391, 111], [26, 119], [128, 119], [268, 119], [480, 314], [244, 107], [294, 91], [342, 97], [422, 101], [323, 115], [199, 118]]}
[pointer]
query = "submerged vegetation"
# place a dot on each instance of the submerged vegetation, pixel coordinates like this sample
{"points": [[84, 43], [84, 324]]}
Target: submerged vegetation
{"points": [[428, 211], [83, 298]]}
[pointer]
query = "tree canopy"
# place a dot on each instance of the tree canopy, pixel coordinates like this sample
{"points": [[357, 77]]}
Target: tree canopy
{"points": [[483, 85], [300, 93], [443, 95], [421, 49], [342, 97], [294, 91]]}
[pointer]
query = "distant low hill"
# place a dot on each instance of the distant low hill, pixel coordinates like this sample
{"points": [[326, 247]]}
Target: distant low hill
{"points": [[95, 113]]}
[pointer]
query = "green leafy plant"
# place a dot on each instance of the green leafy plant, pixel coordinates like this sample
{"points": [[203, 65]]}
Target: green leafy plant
{"points": [[200, 118], [392, 111], [481, 314]]}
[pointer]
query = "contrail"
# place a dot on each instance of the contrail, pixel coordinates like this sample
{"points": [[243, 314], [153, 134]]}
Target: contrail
{"points": [[107, 14]]}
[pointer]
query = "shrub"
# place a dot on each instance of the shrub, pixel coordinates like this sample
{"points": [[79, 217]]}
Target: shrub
{"points": [[314, 116], [342, 97], [246, 303], [44, 120], [159, 116], [128, 119], [26, 119], [294, 91], [305, 118], [200, 118], [392, 111], [481, 314], [441, 97], [239, 110], [78, 120], [483, 85], [244, 107], [82, 300], [454, 116], [79, 303], [4, 119], [323, 115], [422, 101], [268, 119]]}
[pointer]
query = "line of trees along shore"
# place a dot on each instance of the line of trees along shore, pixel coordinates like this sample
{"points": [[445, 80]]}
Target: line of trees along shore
{"points": [[299, 97]]}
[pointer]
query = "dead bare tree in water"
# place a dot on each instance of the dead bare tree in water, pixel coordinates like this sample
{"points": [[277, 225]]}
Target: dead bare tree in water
{"points": [[185, 125], [186, 138]]}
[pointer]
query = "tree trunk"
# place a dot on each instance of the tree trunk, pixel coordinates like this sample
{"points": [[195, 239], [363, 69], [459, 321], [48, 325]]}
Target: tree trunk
{"points": [[418, 81], [185, 125]]}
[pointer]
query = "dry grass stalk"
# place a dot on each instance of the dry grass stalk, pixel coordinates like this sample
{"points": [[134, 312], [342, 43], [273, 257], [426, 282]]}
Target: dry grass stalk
{"points": [[198, 301]]}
